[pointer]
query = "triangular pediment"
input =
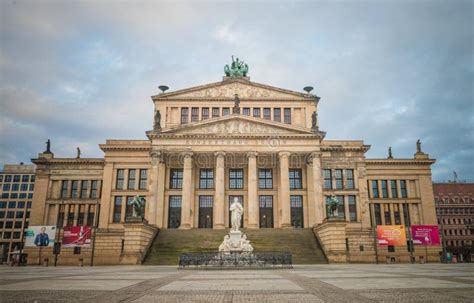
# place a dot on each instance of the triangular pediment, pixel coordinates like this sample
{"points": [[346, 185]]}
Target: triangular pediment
{"points": [[237, 124], [227, 89]]}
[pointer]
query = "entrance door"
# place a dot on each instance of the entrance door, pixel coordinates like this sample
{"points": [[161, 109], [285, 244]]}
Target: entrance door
{"points": [[240, 199], [205, 211], [266, 211], [174, 213], [296, 203]]}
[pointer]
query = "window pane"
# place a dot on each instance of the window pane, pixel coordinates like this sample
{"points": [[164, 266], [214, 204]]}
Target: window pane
{"points": [[277, 114], [184, 115]]}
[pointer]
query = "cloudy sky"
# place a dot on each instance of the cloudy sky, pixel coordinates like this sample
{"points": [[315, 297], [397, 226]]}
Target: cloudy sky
{"points": [[388, 72]]}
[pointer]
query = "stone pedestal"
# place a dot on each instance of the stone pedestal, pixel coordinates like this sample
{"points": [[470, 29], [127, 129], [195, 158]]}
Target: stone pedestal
{"points": [[235, 237]]}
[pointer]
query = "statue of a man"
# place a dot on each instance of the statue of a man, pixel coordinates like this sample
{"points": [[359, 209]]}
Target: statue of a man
{"points": [[236, 214], [314, 121], [78, 153], [418, 146], [48, 146], [236, 109], [157, 124], [390, 153]]}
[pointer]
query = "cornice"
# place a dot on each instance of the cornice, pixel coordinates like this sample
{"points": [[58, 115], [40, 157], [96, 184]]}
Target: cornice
{"points": [[153, 135], [399, 161], [74, 161], [107, 148], [362, 148]]}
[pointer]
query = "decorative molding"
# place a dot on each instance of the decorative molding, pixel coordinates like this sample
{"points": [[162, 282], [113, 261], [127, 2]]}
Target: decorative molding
{"points": [[71, 161], [362, 148], [400, 161]]}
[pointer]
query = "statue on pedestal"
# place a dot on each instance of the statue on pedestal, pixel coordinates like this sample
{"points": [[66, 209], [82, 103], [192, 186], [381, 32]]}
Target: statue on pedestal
{"points": [[418, 147], [236, 214], [333, 207], [157, 123], [236, 109], [48, 147]]}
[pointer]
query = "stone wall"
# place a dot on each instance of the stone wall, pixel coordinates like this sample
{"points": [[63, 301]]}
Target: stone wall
{"points": [[332, 237], [138, 239]]}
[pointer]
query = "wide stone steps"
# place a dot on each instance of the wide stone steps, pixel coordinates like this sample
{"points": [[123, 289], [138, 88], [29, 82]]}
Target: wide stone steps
{"points": [[170, 243]]}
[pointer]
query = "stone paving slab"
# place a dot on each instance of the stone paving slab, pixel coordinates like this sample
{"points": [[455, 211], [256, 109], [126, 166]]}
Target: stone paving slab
{"points": [[218, 276], [69, 285], [222, 285], [389, 283]]}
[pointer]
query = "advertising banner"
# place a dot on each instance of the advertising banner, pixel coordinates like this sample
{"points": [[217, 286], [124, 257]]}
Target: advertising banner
{"points": [[40, 236], [425, 235], [391, 235], [77, 236]]}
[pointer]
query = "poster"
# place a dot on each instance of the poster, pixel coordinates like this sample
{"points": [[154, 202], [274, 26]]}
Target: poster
{"points": [[77, 236], [425, 235], [391, 235], [40, 236]]}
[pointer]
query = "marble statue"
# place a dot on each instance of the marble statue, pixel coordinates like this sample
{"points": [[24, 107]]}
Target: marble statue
{"points": [[245, 244], [225, 245], [157, 124], [314, 121], [236, 214]]}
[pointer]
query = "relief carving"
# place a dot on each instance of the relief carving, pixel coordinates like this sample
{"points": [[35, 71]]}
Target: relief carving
{"points": [[236, 127], [229, 91]]}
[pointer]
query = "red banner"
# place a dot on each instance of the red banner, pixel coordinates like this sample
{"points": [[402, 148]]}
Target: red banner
{"points": [[425, 235], [391, 235], [77, 236]]}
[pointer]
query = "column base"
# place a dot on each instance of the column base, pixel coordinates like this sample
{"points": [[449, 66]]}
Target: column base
{"points": [[286, 225], [252, 226], [218, 226], [184, 226]]}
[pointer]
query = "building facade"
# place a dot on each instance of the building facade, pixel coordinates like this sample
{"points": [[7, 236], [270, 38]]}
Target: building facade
{"points": [[17, 184], [455, 211], [236, 139]]}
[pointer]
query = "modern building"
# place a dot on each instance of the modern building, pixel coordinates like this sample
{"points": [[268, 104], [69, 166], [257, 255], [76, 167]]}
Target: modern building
{"points": [[234, 139], [17, 184], [455, 211]]}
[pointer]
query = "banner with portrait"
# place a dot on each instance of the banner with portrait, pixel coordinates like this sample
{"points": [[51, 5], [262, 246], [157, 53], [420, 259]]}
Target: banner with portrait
{"points": [[40, 236]]}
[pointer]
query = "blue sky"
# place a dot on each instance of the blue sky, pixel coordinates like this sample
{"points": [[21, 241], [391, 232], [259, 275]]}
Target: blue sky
{"points": [[387, 72]]}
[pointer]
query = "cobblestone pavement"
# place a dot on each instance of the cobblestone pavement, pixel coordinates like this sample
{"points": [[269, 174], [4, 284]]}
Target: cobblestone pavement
{"points": [[304, 283]]}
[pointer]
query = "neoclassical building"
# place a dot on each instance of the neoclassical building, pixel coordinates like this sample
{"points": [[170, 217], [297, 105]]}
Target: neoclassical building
{"points": [[233, 139]]}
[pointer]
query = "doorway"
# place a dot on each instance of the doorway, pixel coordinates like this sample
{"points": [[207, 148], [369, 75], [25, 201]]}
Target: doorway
{"points": [[205, 211], [174, 213], [266, 211], [296, 203]]}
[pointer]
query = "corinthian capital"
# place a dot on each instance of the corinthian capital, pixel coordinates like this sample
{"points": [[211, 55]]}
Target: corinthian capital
{"points": [[157, 156]]}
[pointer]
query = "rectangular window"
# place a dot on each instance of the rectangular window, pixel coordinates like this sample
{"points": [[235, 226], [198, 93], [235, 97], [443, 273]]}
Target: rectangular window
{"points": [[266, 113], [349, 179], [3, 204], [246, 111], [143, 179], [205, 201], [225, 111], [10, 214], [129, 207], [206, 178], [352, 208], [84, 189], [5, 195], [406, 214], [15, 187], [338, 177], [70, 215], [377, 214], [184, 115], [81, 214], [215, 112], [327, 179], [256, 112], [18, 224], [194, 114], [120, 179], [265, 201], [236, 179], [94, 189], [12, 204], [60, 221], [32, 179], [16, 178], [14, 196], [393, 186], [19, 214], [205, 113], [32, 187], [25, 178], [384, 189], [91, 215], [176, 178], [8, 178], [296, 201], [24, 187], [375, 189], [296, 179], [396, 214], [21, 204], [386, 213], [131, 178], [287, 114], [265, 179], [6, 187], [403, 188], [64, 185], [74, 188], [117, 210], [1, 178], [277, 114]]}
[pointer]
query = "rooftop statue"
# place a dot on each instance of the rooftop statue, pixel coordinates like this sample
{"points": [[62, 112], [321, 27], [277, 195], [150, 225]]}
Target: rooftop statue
{"points": [[236, 69]]}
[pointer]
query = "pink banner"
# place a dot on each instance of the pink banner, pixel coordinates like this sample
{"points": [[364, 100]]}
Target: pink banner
{"points": [[77, 236], [425, 235]]}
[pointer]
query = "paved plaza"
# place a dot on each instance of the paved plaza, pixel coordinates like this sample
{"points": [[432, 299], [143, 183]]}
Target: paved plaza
{"points": [[304, 283]]}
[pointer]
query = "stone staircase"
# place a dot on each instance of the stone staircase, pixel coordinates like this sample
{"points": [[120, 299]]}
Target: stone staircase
{"points": [[170, 243]]}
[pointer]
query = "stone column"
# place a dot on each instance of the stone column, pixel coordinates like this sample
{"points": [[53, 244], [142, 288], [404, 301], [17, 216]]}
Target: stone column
{"points": [[253, 220], [284, 190], [187, 197], [318, 188], [219, 198], [157, 178]]}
